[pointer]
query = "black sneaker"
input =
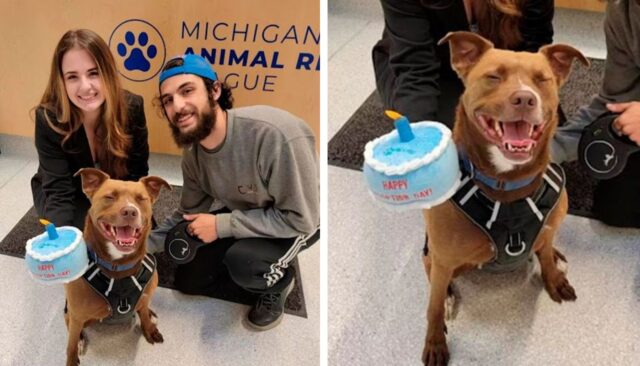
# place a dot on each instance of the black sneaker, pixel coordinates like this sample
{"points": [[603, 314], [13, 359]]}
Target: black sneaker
{"points": [[269, 309]]}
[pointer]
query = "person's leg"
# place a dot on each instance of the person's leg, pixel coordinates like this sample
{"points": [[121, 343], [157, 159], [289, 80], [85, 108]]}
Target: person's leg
{"points": [[37, 194], [261, 265], [450, 91], [199, 276], [616, 201], [385, 79], [80, 203]]}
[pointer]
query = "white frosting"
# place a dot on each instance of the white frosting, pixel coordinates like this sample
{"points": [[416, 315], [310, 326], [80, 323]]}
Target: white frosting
{"points": [[51, 256], [411, 164]]}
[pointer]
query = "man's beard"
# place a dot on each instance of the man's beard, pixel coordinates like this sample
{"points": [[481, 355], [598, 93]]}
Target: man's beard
{"points": [[206, 122]]}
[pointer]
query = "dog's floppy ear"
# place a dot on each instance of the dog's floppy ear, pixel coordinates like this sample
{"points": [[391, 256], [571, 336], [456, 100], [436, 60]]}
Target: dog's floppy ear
{"points": [[92, 179], [560, 57], [154, 185], [466, 49]]}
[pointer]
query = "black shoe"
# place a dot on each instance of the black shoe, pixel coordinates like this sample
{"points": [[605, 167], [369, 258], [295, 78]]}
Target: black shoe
{"points": [[269, 309]]}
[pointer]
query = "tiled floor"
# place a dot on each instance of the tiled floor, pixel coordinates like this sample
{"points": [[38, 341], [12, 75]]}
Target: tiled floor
{"points": [[377, 286], [197, 330]]}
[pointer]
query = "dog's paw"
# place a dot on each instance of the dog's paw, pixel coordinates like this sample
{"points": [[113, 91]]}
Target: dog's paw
{"points": [[153, 336], [435, 353], [561, 290]]}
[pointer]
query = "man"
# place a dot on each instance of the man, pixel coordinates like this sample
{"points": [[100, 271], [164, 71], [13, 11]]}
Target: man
{"points": [[251, 188], [616, 201]]}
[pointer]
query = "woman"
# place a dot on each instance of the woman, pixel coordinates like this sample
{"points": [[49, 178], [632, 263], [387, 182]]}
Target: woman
{"points": [[414, 75], [85, 119]]}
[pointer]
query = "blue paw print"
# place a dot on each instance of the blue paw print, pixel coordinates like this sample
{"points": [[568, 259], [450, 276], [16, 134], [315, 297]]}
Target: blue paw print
{"points": [[137, 59]]}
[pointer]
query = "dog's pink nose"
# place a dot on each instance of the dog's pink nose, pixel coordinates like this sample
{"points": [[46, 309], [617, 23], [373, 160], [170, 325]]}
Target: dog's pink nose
{"points": [[523, 99], [129, 212]]}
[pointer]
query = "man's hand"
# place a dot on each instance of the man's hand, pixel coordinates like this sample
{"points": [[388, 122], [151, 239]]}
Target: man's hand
{"points": [[203, 226], [629, 120]]}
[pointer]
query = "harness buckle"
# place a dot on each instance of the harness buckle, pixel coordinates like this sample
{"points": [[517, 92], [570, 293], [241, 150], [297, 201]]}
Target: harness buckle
{"points": [[515, 246], [121, 307]]}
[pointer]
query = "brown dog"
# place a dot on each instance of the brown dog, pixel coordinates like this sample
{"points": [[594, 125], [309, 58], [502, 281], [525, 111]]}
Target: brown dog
{"points": [[504, 122], [116, 230]]}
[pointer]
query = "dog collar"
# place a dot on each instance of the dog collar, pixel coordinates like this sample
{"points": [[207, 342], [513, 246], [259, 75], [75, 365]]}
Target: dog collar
{"points": [[108, 265], [495, 184]]}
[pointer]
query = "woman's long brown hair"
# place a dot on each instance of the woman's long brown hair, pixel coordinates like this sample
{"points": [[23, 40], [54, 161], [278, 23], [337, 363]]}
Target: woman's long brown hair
{"points": [[497, 20], [111, 140]]}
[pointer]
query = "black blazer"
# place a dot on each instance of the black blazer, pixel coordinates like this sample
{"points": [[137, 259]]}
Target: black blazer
{"points": [[58, 195], [411, 68]]}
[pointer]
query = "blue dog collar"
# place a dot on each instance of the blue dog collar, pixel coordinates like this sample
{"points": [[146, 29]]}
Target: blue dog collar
{"points": [[495, 184], [193, 64], [108, 265]]}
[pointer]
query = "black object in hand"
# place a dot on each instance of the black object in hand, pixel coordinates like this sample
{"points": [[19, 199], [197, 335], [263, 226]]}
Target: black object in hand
{"points": [[180, 245], [603, 151]]}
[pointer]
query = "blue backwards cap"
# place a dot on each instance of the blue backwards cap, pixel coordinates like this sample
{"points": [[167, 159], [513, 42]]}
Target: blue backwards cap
{"points": [[193, 64]]}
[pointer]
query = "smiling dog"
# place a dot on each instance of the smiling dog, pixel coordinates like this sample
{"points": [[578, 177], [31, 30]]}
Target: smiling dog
{"points": [[121, 277], [511, 200]]}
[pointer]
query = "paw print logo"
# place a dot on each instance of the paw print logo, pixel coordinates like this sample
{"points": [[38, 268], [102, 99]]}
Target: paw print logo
{"points": [[138, 48], [137, 59]]}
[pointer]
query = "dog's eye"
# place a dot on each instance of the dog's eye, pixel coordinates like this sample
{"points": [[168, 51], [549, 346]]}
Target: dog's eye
{"points": [[493, 77], [109, 198], [141, 198], [542, 79]]}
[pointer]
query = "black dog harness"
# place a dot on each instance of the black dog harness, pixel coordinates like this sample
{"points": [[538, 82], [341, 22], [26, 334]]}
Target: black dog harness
{"points": [[122, 294], [512, 227]]}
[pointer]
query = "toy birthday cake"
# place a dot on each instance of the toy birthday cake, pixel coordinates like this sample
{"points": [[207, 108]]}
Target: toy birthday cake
{"points": [[414, 166], [59, 255]]}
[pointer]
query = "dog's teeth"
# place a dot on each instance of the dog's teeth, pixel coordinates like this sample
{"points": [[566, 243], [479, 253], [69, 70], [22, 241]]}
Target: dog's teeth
{"points": [[530, 130]]}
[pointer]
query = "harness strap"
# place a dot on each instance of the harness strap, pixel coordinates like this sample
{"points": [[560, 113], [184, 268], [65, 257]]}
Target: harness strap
{"points": [[511, 227], [121, 294]]}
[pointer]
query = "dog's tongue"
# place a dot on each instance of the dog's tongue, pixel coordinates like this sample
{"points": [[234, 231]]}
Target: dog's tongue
{"points": [[124, 232], [516, 132]]}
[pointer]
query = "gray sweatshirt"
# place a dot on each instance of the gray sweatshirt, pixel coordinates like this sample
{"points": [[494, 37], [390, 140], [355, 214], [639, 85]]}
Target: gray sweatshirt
{"points": [[621, 76], [265, 172]]}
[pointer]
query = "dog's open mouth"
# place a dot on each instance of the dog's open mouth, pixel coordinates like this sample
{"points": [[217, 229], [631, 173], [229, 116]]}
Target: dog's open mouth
{"points": [[516, 139], [123, 237]]}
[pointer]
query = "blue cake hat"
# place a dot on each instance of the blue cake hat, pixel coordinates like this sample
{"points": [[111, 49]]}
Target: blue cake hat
{"points": [[59, 255], [193, 64], [414, 166]]}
